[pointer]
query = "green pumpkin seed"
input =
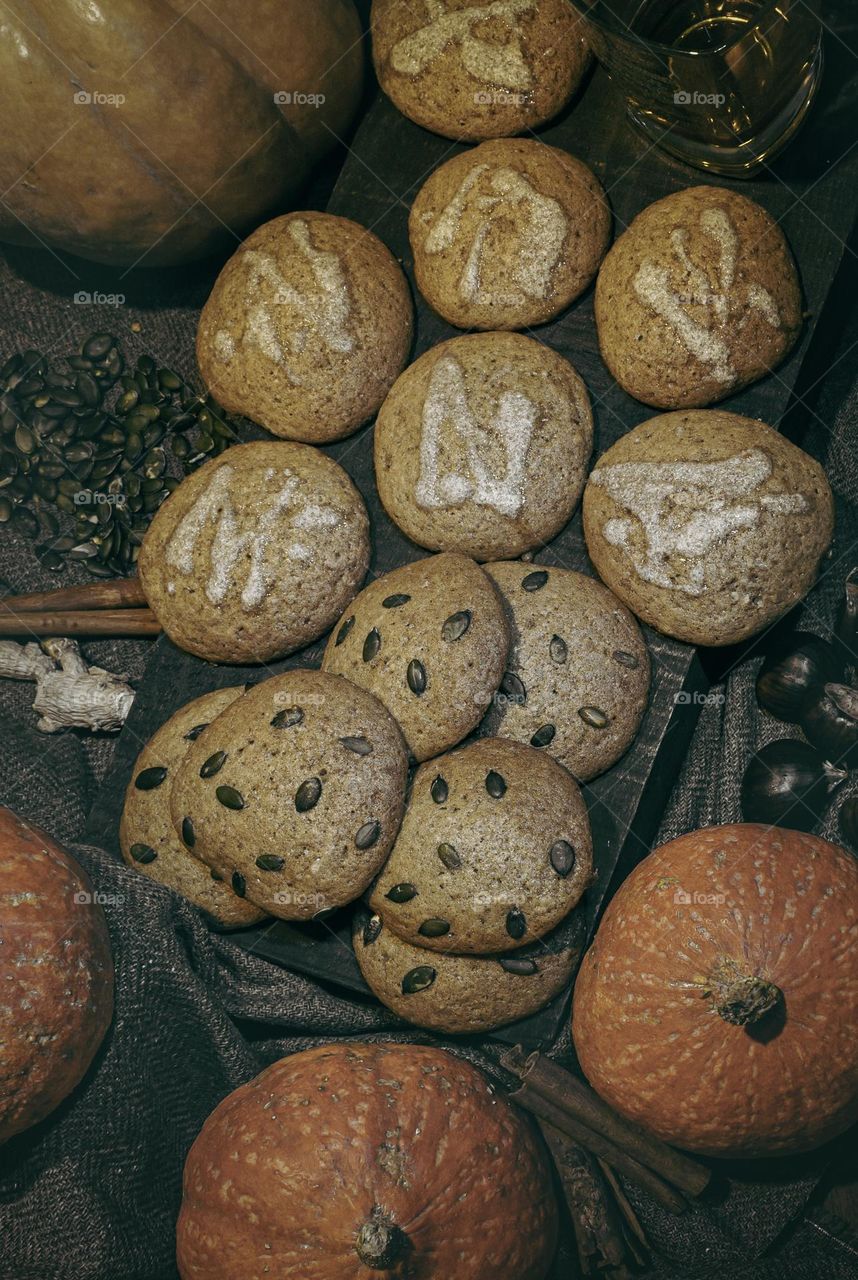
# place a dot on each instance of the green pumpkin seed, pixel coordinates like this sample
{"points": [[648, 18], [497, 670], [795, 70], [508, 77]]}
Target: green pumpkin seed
{"points": [[495, 784], [449, 856], [595, 717], [88, 390], [418, 979], [439, 790], [169, 381], [239, 884], [401, 893], [84, 551], [287, 718], [395, 602], [344, 631], [143, 853], [372, 930], [625, 659], [558, 650], [516, 924], [6, 509], [188, 834], [456, 626], [371, 645], [360, 746], [562, 857], [270, 862], [434, 928], [368, 834], [535, 581], [416, 677], [52, 561], [194, 733], [543, 736], [230, 798], [519, 965], [96, 347], [150, 778], [213, 765], [512, 687], [25, 441], [308, 794]]}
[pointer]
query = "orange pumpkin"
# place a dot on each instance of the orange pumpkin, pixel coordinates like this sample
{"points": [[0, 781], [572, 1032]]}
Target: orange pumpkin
{"points": [[56, 974], [356, 1159], [716, 1004], [156, 131]]}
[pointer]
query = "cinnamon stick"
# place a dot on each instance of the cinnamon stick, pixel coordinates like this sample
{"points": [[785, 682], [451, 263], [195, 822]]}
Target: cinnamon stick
{"points": [[599, 1236], [102, 594], [638, 1244], [575, 1098], [667, 1196], [110, 623]]}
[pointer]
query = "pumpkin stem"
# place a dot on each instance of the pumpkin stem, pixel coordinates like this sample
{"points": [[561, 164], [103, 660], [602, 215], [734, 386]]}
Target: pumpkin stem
{"points": [[380, 1242], [740, 998]]}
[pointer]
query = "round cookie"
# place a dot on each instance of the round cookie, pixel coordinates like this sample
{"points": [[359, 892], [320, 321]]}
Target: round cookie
{"points": [[577, 678], [147, 836], [508, 234], [430, 641], [256, 554], [707, 525], [295, 793], [494, 851], [698, 298], [466, 994], [473, 69], [482, 446], [307, 327]]}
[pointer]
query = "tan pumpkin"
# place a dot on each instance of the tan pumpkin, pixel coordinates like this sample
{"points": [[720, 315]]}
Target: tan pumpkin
{"points": [[716, 1005], [56, 974], [154, 131], [353, 1160]]}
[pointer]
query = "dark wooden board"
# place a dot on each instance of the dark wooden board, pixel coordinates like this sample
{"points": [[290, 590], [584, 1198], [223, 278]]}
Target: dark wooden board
{"points": [[813, 194]]}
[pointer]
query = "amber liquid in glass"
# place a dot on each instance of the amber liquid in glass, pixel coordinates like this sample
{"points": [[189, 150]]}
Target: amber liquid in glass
{"points": [[722, 83]]}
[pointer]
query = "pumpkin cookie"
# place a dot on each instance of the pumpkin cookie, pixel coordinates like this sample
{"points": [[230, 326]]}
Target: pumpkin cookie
{"points": [[577, 676], [295, 793], [707, 525], [256, 554], [507, 235], [147, 836], [430, 641], [494, 851], [482, 446], [698, 298], [479, 68], [466, 994], [307, 327]]}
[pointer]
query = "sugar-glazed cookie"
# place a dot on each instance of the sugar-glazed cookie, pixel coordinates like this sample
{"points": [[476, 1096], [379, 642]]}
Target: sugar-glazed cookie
{"points": [[147, 836], [508, 234], [577, 677], [466, 994], [256, 553], [698, 298], [482, 446], [295, 793], [306, 328], [430, 641], [472, 69], [707, 525], [494, 851]]}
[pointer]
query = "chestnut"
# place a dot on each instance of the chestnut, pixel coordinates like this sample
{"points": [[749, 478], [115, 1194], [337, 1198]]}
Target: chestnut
{"points": [[793, 670], [830, 723], [786, 785]]}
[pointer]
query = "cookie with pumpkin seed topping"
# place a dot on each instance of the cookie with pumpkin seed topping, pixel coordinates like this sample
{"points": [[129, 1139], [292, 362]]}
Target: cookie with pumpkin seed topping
{"points": [[577, 678], [465, 994], [295, 793], [493, 852], [430, 641], [147, 836]]}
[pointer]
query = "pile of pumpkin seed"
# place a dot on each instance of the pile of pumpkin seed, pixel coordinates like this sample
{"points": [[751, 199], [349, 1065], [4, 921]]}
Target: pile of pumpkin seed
{"points": [[103, 444]]}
